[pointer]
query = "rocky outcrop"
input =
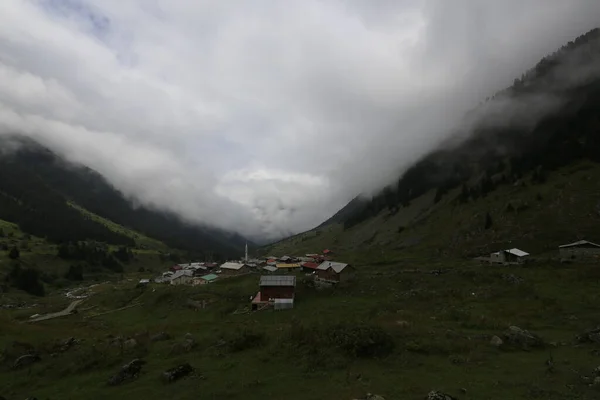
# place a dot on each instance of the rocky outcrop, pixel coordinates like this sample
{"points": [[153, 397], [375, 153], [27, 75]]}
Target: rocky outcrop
{"points": [[160, 337], [589, 336], [174, 374], [522, 338], [371, 396], [127, 372], [435, 395], [25, 360], [496, 341]]}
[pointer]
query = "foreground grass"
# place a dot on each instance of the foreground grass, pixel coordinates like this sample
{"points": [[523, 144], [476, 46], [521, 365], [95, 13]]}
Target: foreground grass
{"points": [[429, 332]]}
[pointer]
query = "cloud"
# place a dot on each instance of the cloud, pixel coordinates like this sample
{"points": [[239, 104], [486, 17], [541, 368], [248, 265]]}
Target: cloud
{"points": [[261, 117]]}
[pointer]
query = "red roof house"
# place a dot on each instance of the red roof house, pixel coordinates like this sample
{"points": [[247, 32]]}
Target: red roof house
{"points": [[309, 266]]}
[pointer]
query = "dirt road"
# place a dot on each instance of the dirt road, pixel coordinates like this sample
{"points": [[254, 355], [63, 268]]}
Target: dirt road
{"points": [[65, 312]]}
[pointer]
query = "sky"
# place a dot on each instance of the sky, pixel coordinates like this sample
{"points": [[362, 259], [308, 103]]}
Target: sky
{"points": [[263, 117]]}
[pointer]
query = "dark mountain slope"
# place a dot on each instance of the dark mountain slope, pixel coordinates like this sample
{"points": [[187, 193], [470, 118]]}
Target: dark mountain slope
{"points": [[501, 151], [523, 171], [50, 183]]}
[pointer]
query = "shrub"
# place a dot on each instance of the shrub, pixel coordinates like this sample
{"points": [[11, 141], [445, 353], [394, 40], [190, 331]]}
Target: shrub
{"points": [[245, 339], [363, 341]]}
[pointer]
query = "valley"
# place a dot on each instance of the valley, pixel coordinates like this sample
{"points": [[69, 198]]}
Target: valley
{"points": [[471, 274]]}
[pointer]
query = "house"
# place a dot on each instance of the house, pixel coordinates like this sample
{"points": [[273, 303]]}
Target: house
{"points": [[288, 267], [510, 256], [233, 268], [309, 266], [144, 281], [579, 250], [270, 268], [334, 271], [182, 277], [176, 268], [327, 252], [285, 259], [203, 280], [211, 265], [276, 290]]}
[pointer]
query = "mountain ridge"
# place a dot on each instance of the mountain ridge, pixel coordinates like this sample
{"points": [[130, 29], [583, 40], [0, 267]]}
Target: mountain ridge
{"points": [[488, 156], [30, 172]]}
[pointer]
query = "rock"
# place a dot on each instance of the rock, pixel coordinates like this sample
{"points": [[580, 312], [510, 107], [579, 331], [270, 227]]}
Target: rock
{"points": [[596, 371], [174, 374], [596, 382], [189, 336], [127, 372], [435, 395], [66, 344], [160, 337], [26, 360], [520, 337], [496, 341], [514, 279], [590, 336], [403, 324], [371, 396], [130, 343]]}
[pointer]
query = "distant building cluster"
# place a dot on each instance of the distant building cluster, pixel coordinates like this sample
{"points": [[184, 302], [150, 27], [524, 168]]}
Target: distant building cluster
{"points": [[277, 282], [580, 250]]}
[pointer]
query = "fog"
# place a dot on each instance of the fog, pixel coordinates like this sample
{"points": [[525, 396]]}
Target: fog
{"points": [[261, 117]]}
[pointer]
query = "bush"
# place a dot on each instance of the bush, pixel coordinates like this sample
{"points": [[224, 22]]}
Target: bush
{"points": [[14, 253], [356, 341], [245, 339], [363, 341], [27, 280]]}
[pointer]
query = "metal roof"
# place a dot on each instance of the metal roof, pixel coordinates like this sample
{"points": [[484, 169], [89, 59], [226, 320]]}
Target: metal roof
{"points": [[180, 273], [209, 277], [232, 265], [288, 265], [277, 280], [270, 268], [517, 252], [579, 243], [337, 266]]}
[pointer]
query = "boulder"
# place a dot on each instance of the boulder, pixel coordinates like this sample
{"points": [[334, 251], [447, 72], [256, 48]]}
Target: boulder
{"points": [[26, 360], [435, 395], [130, 343], [596, 371], [590, 336], [127, 372], [371, 396], [496, 341], [160, 337], [174, 374], [66, 344], [521, 337]]}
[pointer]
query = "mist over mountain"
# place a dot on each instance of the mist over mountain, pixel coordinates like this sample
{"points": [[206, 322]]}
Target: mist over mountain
{"points": [[265, 119]]}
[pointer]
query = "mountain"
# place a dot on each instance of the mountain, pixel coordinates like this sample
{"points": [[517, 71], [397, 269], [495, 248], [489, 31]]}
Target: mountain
{"points": [[521, 170], [48, 197]]}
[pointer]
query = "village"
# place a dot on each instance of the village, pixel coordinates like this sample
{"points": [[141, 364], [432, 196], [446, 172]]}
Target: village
{"points": [[277, 282]]}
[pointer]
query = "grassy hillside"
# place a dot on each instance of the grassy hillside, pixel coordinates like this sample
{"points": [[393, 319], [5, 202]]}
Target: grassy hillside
{"points": [[38, 190], [394, 332], [42, 256], [536, 217], [142, 241]]}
